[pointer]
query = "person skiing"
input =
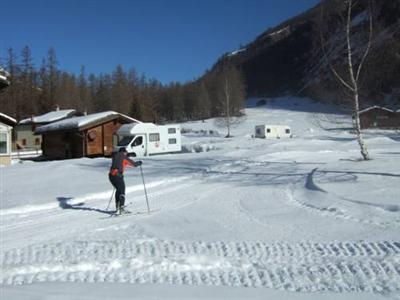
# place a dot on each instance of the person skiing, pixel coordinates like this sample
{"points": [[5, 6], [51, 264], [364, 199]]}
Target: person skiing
{"points": [[120, 161]]}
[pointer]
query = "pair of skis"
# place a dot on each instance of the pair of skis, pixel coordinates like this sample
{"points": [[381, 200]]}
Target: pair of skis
{"points": [[128, 213], [120, 213]]}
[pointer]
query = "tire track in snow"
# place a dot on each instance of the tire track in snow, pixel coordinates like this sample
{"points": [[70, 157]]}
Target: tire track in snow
{"points": [[305, 266]]}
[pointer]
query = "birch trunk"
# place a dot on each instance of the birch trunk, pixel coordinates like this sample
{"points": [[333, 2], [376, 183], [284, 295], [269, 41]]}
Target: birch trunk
{"points": [[352, 85], [354, 81], [228, 115], [357, 125]]}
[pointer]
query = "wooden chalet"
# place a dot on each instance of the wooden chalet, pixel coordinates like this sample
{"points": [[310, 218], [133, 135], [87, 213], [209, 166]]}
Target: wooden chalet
{"points": [[91, 135], [25, 138], [379, 117]]}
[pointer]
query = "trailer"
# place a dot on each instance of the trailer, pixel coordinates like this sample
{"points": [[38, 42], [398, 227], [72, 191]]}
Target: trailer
{"points": [[144, 139], [273, 131]]}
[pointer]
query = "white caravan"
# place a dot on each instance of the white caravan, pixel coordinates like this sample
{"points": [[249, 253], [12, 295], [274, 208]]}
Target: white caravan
{"points": [[144, 139], [273, 131]]}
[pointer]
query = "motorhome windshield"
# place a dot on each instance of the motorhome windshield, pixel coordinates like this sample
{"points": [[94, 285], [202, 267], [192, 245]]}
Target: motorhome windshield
{"points": [[125, 140]]}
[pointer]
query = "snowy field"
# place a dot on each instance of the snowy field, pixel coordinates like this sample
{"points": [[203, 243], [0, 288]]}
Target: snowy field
{"points": [[239, 218]]}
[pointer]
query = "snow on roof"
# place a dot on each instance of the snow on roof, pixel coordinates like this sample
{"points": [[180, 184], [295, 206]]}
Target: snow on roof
{"points": [[11, 120], [375, 107], [4, 78], [78, 122], [3, 73], [49, 117]]}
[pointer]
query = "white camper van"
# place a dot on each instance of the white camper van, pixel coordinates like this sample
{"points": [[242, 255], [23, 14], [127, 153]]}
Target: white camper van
{"points": [[144, 139], [272, 131]]}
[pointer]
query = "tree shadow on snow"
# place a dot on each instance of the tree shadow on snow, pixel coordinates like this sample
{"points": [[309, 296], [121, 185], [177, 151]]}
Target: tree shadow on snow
{"points": [[359, 173], [390, 153], [63, 203], [243, 172]]}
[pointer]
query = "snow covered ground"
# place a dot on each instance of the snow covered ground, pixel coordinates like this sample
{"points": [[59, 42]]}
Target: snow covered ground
{"points": [[238, 218]]}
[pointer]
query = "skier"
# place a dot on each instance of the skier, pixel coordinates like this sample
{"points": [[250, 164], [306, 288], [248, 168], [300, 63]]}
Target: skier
{"points": [[120, 161]]}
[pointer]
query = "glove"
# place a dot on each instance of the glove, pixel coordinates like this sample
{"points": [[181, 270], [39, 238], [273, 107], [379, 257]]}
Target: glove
{"points": [[138, 163]]}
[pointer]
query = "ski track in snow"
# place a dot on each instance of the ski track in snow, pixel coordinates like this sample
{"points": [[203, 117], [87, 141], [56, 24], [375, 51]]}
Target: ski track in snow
{"points": [[302, 267], [26, 210], [164, 186], [13, 227], [335, 212], [310, 199]]}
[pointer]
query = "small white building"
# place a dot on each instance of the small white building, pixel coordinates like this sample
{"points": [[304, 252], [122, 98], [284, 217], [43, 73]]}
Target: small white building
{"points": [[273, 131], [144, 139], [6, 126]]}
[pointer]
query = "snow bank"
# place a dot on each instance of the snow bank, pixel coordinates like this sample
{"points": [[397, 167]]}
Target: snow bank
{"points": [[297, 218]]}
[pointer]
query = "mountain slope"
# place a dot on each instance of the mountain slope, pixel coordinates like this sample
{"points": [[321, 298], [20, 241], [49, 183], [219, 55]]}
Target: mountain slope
{"points": [[288, 59]]}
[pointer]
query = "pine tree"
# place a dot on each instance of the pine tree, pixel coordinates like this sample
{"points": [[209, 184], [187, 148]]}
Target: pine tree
{"points": [[84, 93], [120, 91], [52, 73], [13, 92], [29, 89]]}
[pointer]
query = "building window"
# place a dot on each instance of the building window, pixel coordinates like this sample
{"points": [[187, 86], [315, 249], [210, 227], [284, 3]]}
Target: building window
{"points": [[3, 142], [171, 141], [154, 137], [171, 130], [23, 142], [37, 141]]}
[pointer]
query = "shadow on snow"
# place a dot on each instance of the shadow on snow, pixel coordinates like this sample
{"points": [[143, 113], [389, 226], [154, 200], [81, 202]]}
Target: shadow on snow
{"points": [[63, 203]]}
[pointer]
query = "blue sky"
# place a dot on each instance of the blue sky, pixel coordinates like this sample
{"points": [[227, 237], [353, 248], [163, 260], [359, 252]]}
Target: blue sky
{"points": [[170, 40]]}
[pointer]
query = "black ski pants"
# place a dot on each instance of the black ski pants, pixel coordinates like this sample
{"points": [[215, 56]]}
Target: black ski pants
{"points": [[119, 184]]}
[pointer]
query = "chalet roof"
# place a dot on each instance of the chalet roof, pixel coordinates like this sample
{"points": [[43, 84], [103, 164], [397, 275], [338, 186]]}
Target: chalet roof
{"points": [[49, 117], [3, 74], [4, 82], [7, 120], [83, 122], [375, 107]]}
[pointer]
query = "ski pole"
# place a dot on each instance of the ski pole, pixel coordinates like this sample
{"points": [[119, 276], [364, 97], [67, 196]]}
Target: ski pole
{"points": [[109, 202], [145, 192]]}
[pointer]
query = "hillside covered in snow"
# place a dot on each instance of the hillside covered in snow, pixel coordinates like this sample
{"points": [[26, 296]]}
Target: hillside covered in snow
{"points": [[237, 218], [288, 58]]}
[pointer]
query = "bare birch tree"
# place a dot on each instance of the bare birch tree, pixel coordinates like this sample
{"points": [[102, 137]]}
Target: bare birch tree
{"points": [[351, 85], [228, 107], [232, 96]]}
